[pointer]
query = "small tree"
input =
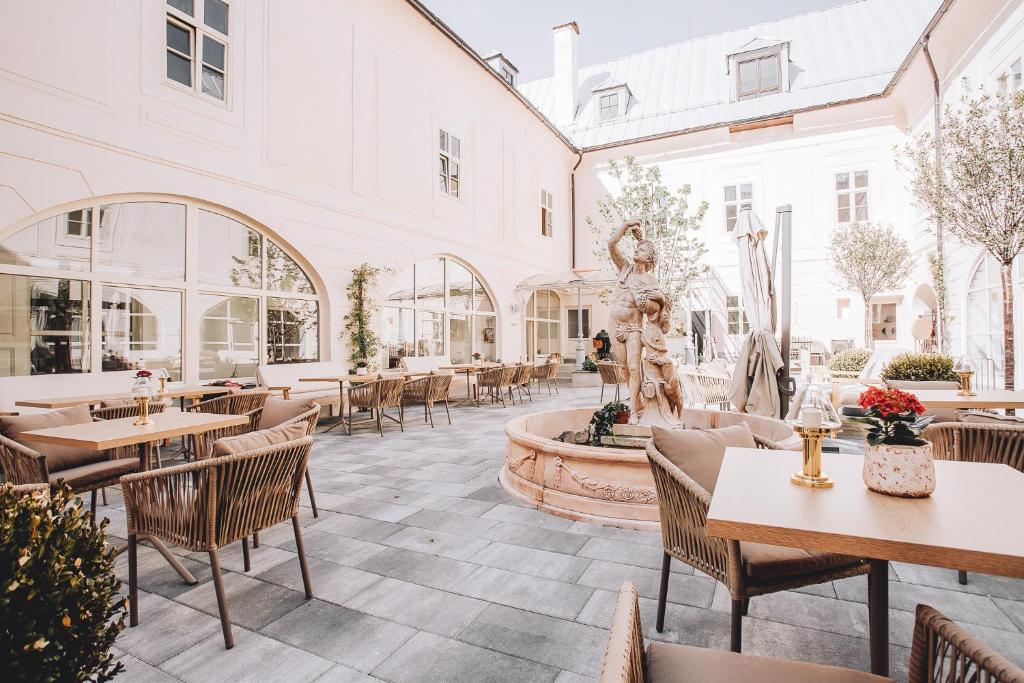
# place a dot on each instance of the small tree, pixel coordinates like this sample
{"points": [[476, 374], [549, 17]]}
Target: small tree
{"points": [[979, 195], [362, 338], [869, 259], [667, 222]]}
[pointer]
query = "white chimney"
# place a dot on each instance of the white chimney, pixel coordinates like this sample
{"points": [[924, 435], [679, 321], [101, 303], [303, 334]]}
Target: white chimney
{"points": [[565, 80]]}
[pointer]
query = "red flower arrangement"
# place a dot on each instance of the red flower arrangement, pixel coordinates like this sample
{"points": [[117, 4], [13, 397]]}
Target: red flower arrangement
{"points": [[143, 373], [892, 416]]}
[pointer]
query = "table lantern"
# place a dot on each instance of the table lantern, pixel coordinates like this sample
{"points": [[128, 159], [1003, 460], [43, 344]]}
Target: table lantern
{"points": [[814, 418], [964, 367], [142, 392]]}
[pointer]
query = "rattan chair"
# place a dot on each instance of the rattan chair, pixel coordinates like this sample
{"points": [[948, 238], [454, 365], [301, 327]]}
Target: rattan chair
{"points": [[495, 381], [428, 391], [611, 373], [236, 403], [521, 381], [545, 373], [705, 389], [977, 442], [208, 504], [940, 651], [377, 396], [683, 505]]}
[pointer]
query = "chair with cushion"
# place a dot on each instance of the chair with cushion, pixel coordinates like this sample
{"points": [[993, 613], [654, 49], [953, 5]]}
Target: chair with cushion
{"points": [[82, 469], [377, 396], [941, 651], [208, 504], [545, 373], [685, 465], [428, 391], [236, 403], [494, 381], [611, 373]]}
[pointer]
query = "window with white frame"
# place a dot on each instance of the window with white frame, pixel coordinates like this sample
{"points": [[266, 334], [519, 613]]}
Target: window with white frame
{"points": [[545, 213], [852, 196], [509, 77], [197, 43], [608, 105], [759, 76], [736, 316], [449, 155], [77, 223], [737, 197], [574, 315]]}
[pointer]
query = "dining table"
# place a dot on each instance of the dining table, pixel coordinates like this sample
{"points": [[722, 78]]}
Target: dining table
{"points": [[102, 435], [469, 370], [346, 382], [969, 523], [982, 399], [192, 392]]}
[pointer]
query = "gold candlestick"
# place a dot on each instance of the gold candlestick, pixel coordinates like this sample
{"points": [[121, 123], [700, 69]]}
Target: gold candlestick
{"points": [[163, 385], [143, 412], [811, 475], [965, 383]]}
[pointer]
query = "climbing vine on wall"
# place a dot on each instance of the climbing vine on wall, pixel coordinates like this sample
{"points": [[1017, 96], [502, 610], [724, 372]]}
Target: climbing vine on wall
{"points": [[363, 342]]}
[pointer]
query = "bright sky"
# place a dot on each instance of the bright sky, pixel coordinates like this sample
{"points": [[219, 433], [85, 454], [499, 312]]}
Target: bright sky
{"points": [[521, 29]]}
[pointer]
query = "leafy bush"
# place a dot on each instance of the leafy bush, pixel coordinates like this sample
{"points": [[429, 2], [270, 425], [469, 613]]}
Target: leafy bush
{"points": [[589, 365], [59, 605], [601, 423], [920, 367], [850, 360]]}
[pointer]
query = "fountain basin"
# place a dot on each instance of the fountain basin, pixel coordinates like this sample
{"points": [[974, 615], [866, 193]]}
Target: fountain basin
{"points": [[600, 485]]}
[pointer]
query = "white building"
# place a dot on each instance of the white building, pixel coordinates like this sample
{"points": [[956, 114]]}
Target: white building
{"points": [[189, 183]]}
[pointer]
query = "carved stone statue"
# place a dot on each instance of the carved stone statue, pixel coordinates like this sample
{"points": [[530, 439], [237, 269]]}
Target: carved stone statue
{"points": [[640, 318]]}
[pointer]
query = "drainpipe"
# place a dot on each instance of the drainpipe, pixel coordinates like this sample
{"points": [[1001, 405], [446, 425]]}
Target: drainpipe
{"points": [[940, 252], [572, 206]]}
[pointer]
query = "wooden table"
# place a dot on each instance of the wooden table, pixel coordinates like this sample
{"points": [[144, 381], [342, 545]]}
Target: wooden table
{"points": [[193, 392], [969, 523], [469, 369], [106, 434], [985, 398]]}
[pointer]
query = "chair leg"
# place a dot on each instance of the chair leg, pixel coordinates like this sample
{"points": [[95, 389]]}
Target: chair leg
{"points": [[222, 600], [666, 562], [103, 491], [430, 412], [312, 498], [736, 637], [256, 534], [401, 417], [380, 426], [133, 580], [301, 551], [92, 506], [746, 606], [961, 576], [348, 427], [246, 563], [448, 411], [602, 393], [426, 412]]}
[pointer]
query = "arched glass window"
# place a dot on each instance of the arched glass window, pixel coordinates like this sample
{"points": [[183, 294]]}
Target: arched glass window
{"points": [[983, 314], [543, 324], [436, 308], [162, 284]]}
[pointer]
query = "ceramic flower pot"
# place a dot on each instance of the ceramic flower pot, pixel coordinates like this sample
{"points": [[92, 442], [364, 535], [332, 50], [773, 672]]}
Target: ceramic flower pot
{"points": [[361, 371], [904, 471]]}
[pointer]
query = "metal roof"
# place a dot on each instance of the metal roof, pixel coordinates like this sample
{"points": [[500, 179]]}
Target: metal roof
{"points": [[836, 55]]}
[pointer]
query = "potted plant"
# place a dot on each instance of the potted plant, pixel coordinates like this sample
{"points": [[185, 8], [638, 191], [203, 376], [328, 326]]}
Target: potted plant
{"points": [[589, 365], [361, 368], [897, 461], [478, 358], [60, 611], [603, 419]]}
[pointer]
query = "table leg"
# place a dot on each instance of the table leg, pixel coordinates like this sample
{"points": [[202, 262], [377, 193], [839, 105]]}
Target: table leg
{"points": [[341, 408], [878, 616]]}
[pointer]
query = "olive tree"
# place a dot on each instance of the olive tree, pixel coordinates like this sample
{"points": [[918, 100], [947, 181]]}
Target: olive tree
{"points": [[666, 221], [869, 259], [978, 194]]}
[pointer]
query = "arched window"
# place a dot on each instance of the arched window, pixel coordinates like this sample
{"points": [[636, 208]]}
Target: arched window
{"points": [[543, 324], [164, 283], [983, 314], [436, 308]]}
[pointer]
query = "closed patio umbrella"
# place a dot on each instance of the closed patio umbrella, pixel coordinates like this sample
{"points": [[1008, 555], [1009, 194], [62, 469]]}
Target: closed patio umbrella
{"points": [[755, 387]]}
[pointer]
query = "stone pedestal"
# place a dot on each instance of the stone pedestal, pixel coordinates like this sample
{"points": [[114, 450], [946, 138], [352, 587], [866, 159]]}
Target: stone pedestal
{"points": [[632, 430], [582, 378], [625, 441]]}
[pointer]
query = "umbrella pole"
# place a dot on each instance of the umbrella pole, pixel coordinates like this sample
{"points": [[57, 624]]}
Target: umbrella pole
{"points": [[784, 229]]}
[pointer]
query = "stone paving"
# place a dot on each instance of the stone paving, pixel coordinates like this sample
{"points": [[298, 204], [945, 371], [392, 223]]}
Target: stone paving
{"points": [[424, 570]]}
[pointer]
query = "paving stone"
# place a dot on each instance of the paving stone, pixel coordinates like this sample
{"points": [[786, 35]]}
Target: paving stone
{"points": [[137, 670], [363, 528], [374, 509], [812, 611], [542, 563], [421, 568], [623, 552], [340, 673], [443, 488], [630, 535], [345, 636], [428, 658], [436, 543], [1009, 644], [178, 627], [981, 584], [389, 495], [531, 593], [251, 603], [332, 582], [571, 677], [339, 549], [157, 576], [462, 506], [547, 640], [253, 658], [527, 517], [450, 522], [1013, 609], [231, 558], [425, 609], [682, 588], [536, 537]]}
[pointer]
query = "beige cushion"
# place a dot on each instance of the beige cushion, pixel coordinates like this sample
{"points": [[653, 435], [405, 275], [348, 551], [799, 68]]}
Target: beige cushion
{"points": [[279, 410], [95, 474], [699, 452], [763, 561], [57, 457], [243, 443], [988, 418], [116, 402], [671, 662]]}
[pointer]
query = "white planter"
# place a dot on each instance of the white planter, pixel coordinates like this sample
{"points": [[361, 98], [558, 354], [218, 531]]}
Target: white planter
{"points": [[904, 471], [362, 371]]}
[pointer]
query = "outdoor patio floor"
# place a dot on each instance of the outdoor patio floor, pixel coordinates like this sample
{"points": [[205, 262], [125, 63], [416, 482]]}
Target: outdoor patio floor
{"points": [[423, 569]]}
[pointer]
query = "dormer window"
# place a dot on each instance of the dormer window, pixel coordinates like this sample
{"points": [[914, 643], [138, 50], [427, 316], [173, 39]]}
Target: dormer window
{"points": [[497, 61], [612, 100], [758, 68], [609, 105]]}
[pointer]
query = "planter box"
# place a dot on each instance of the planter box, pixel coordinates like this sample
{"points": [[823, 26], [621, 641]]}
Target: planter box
{"points": [[582, 378]]}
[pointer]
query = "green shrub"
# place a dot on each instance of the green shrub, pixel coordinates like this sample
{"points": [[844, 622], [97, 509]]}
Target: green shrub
{"points": [[59, 606], [607, 415], [589, 365], [920, 367], [850, 360]]}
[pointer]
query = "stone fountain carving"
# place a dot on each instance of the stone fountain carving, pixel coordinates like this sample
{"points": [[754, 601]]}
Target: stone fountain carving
{"points": [[640, 314]]}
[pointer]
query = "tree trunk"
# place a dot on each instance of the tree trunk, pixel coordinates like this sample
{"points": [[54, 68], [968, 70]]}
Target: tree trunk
{"points": [[868, 342], [1009, 367]]}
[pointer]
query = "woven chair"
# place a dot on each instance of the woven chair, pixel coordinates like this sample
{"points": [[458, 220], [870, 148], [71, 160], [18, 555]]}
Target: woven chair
{"points": [[705, 389], [611, 373], [236, 403], [428, 391], [495, 382], [747, 570], [377, 396], [545, 373], [208, 504], [941, 651], [977, 442], [521, 381]]}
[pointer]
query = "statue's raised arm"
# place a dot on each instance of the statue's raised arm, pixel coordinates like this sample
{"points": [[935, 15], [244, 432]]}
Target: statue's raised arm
{"points": [[618, 259]]}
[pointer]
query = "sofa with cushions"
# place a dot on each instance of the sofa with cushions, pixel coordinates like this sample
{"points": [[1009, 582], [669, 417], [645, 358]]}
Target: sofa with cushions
{"points": [[288, 375]]}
